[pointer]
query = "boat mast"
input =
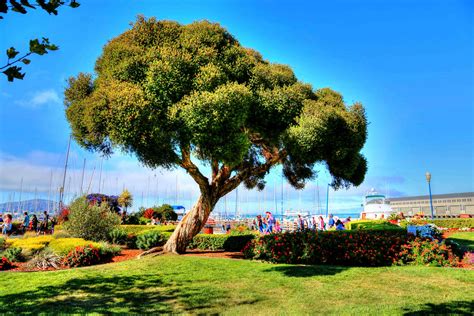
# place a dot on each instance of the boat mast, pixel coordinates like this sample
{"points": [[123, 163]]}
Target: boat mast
{"points": [[82, 177], [19, 199], [61, 189], [49, 193]]}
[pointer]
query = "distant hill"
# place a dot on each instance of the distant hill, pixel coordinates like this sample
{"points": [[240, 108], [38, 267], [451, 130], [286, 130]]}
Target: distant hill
{"points": [[39, 205]]}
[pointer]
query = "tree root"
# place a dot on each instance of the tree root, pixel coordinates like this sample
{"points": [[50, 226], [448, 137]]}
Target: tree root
{"points": [[156, 251]]}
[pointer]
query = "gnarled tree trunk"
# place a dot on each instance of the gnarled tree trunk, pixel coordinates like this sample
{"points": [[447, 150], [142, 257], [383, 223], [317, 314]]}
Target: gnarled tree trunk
{"points": [[189, 226]]}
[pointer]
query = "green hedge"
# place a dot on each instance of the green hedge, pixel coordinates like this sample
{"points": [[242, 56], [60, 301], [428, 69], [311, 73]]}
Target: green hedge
{"points": [[372, 225], [137, 229], [220, 242], [444, 223]]}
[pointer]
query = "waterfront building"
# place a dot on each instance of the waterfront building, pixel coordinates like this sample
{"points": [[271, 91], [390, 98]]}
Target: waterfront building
{"points": [[445, 205]]}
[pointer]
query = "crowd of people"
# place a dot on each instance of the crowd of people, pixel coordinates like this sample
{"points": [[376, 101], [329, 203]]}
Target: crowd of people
{"points": [[40, 226], [268, 224]]}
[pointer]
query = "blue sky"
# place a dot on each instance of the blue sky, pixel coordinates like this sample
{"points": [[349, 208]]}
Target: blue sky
{"points": [[409, 62]]}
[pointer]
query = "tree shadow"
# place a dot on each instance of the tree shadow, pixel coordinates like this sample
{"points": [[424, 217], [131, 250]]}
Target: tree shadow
{"points": [[303, 271], [122, 294], [449, 308]]}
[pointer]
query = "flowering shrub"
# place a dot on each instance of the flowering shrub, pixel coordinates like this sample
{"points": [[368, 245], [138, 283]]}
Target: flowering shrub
{"points": [[82, 256], [63, 215], [110, 200], [353, 248], [13, 254], [468, 258], [424, 251], [5, 264], [149, 213], [426, 231]]}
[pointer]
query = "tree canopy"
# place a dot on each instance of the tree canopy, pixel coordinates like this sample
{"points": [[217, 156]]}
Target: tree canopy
{"points": [[169, 93]]}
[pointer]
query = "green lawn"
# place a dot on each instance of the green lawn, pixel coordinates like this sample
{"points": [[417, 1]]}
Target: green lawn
{"points": [[465, 239], [176, 284]]}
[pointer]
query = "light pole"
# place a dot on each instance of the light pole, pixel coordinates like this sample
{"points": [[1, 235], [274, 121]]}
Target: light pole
{"points": [[428, 179], [327, 202]]}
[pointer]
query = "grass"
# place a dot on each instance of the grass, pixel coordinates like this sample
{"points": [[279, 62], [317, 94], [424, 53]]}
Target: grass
{"points": [[177, 284], [464, 239]]}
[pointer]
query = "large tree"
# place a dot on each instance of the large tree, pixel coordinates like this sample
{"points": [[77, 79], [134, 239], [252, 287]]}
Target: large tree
{"points": [[172, 93]]}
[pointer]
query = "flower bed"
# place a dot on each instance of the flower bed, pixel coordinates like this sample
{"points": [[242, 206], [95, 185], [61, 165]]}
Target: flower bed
{"points": [[372, 225], [354, 248]]}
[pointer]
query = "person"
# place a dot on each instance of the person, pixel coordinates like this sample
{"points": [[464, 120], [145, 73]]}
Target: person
{"points": [[322, 225], [34, 223], [331, 221], [270, 221], [7, 224], [277, 226], [347, 220], [314, 224], [265, 225], [227, 228], [339, 225], [260, 223], [26, 222], [1, 219], [44, 224]]}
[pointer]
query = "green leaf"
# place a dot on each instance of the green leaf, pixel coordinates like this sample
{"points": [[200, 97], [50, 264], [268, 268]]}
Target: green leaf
{"points": [[17, 7], [14, 73], [3, 7], [37, 47], [12, 52], [26, 61], [74, 4], [27, 4]]}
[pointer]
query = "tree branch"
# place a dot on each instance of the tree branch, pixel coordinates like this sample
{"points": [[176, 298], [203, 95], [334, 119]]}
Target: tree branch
{"points": [[194, 171]]}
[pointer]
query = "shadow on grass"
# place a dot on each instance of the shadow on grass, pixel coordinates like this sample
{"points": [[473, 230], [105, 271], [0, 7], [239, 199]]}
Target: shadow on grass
{"points": [[122, 294], [450, 308], [306, 271]]}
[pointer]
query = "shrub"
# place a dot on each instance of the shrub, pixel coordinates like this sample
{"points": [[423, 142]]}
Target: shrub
{"points": [[468, 258], [149, 213], [63, 215], [136, 229], [241, 230], [353, 248], [44, 260], [108, 251], [62, 246], [82, 256], [90, 222], [371, 225], [13, 254], [149, 239], [427, 252], [61, 234], [443, 223], [2, 243], [118, 236], [5, 264], [30, 245], [218, 242], [144, 221]]}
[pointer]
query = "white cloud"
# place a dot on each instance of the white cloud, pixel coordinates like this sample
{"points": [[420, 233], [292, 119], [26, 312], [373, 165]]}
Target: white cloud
{"points": [[40, 98]]}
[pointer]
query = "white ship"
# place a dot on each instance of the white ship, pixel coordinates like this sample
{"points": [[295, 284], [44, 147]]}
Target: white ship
{"points": [[376, 206]]}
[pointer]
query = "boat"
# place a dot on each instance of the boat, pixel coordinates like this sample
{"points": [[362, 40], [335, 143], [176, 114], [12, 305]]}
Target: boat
{"points": [[376, 206]]}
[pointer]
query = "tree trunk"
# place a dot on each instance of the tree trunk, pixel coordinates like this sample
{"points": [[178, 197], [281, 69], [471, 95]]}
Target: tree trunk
{"points": [[189, 226]]}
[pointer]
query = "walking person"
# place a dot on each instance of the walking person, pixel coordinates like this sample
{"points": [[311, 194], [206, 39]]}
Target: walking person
{"points": [[26, 222], [44, 224], [7, 224], [331, 221], [321, 224], [260, 223], [34, 223], [270, 222]]}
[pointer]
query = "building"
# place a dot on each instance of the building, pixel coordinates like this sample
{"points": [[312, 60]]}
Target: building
{"points": [[444, 205]]}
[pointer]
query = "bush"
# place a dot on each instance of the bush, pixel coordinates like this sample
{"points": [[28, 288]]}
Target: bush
{"points": [[108, 251], [2, 243], [220, 242], [90, 222], [144, 221], [82, 256], [118, 236], [30, 245], [443, 223], [61, 234], [45, 260], [149, 239], [371, 225], [429, 253], [136, 229], [241, 230], [62, 246], [13, 254], [5, 264], [352, 248], [149, 213]]}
